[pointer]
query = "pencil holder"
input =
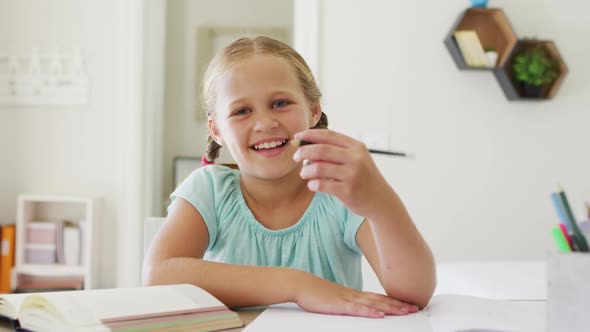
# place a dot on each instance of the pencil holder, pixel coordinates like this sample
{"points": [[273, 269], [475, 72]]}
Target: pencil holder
{"points": [[569, 292]]}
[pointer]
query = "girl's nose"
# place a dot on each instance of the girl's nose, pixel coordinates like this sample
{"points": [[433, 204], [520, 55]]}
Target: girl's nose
{"points": [[265, 121]]}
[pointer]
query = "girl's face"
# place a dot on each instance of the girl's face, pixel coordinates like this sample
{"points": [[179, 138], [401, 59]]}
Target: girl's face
{"points": [[260, 106]]}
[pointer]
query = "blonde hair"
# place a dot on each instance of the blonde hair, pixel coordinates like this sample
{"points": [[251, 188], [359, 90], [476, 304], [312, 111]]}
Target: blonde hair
{"points": [[242, 49]]}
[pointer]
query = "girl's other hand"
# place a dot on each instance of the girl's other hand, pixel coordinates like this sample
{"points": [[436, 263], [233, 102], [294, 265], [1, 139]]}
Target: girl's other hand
{"points": [[325, 297], [343, 167]]}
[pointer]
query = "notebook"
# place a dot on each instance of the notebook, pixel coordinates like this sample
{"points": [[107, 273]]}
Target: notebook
{"points": [[177, 307]]}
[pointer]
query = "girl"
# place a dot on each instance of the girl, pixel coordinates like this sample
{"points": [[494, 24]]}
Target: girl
{"points": [[292, 223]]}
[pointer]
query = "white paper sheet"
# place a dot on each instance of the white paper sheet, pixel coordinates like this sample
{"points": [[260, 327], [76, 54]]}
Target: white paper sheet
{"points": [[445, 313]]}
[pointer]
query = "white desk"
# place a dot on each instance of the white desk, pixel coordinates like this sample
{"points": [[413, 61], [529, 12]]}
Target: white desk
{"points": [[501, 280], [518, 280]]}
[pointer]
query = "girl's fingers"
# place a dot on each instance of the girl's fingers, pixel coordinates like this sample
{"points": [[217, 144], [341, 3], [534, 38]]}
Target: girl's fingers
{"points": [[388, 304], [396, 302], [323, 170], [325, 152], [327, 186], [390, 308], [362, 310]]}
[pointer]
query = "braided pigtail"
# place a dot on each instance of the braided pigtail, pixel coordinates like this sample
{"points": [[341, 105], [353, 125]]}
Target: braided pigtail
{"points": [[212, 149], [323, 123]]}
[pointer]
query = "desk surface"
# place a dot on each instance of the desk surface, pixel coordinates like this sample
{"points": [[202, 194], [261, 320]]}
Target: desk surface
{"points": [[520, 281], [247, 316], [525, 280]]}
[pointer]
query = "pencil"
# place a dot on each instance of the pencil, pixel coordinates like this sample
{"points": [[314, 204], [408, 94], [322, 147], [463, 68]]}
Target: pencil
{"points": [[580, 239], [375, 151], [560, 240]]}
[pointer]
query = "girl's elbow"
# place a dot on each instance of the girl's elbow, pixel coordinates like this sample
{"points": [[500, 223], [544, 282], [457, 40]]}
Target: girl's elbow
{"points": [[150, 275], [419, 297], [413, 293], [147, 276]]}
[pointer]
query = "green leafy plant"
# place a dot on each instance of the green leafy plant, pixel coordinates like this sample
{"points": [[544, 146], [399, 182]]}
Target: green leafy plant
{"points": [[535, 67]]}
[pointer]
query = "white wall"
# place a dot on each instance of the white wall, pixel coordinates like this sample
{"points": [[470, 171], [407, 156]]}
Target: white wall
{"points": [[485, 166], [184, 135], [92, 150], [479, 187]]}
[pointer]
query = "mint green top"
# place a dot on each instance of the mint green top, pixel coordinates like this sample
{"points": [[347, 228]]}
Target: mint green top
{"points": [[322, 242]]}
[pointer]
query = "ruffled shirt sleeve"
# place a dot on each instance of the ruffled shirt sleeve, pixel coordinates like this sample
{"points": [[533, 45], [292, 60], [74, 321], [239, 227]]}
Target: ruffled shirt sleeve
{"points": [[349, 224], [204, 189]]}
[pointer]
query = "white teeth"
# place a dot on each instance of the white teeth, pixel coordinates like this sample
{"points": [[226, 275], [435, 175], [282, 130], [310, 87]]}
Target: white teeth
{"points": [[269, 145]]}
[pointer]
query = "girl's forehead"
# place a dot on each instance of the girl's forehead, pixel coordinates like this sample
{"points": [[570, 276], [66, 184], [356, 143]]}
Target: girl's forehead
{"points": [[258, 72]]}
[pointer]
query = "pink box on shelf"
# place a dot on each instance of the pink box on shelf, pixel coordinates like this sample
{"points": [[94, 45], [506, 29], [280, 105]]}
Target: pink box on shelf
{"points": [[40, 254], [41, 232]]}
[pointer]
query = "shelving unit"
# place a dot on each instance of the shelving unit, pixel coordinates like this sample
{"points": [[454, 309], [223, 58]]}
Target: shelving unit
{"points": [[505, 73], [81, 211], [495, 31]]}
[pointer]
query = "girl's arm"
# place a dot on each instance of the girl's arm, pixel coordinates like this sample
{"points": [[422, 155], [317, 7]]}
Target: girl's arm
{"points": [[175, 256], [398, 254], [343, 167]]}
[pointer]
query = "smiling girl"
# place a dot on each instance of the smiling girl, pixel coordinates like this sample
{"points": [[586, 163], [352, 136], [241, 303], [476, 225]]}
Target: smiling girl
{"points": [[281, 229]]}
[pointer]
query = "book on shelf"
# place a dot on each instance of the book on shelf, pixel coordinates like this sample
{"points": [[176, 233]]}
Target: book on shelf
{"points": [[26, 282], [169, 307], [72, 245], [7, 249], [471, 48], [46, 242], [40, 253]]}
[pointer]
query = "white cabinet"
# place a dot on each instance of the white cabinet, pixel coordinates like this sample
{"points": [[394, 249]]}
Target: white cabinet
{"points": [[45, 243]]}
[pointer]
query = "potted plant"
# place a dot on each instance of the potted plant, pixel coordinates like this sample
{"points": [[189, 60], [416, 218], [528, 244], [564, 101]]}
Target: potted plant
{"points": [[534, 69]]}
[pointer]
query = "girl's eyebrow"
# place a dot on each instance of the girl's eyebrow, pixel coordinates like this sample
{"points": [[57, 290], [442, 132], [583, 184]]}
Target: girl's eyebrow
{"points": [[282, 92], [238, 101], [273, 94]]}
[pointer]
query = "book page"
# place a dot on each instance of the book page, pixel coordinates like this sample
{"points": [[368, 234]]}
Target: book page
{"points": [[41, 309], [9, 304], [115, 304]]}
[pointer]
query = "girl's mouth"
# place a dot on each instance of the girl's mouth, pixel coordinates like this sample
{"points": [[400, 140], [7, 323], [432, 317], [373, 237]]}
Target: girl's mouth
{"points": [[269, 145], [270, 148]]}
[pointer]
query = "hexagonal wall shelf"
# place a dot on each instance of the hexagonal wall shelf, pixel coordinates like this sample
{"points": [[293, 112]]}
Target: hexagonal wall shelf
{"points": [[505, 72], [493, 30]]}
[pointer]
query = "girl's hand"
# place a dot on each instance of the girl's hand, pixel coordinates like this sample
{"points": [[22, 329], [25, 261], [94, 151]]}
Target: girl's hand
{"points": [[342, 166], [321, 296]]}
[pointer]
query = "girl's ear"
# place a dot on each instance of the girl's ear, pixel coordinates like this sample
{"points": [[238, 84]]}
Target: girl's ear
{"points": [[316, 113], [214, 130]]}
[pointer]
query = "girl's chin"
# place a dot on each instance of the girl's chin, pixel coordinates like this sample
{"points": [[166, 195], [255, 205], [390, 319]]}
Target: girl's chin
{"points": [[274, 169]]}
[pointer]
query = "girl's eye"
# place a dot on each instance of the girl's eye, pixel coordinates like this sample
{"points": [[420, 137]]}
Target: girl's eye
{"points": [[241, 111], [280, 103]]}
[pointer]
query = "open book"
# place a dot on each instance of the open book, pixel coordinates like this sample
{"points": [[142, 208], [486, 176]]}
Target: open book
{"points": [[155, 308], [444, 313]]}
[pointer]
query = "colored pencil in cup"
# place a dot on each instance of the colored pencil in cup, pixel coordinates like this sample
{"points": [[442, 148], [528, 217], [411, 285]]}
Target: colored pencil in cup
{"points": [[579, 239], [560, 240]]}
